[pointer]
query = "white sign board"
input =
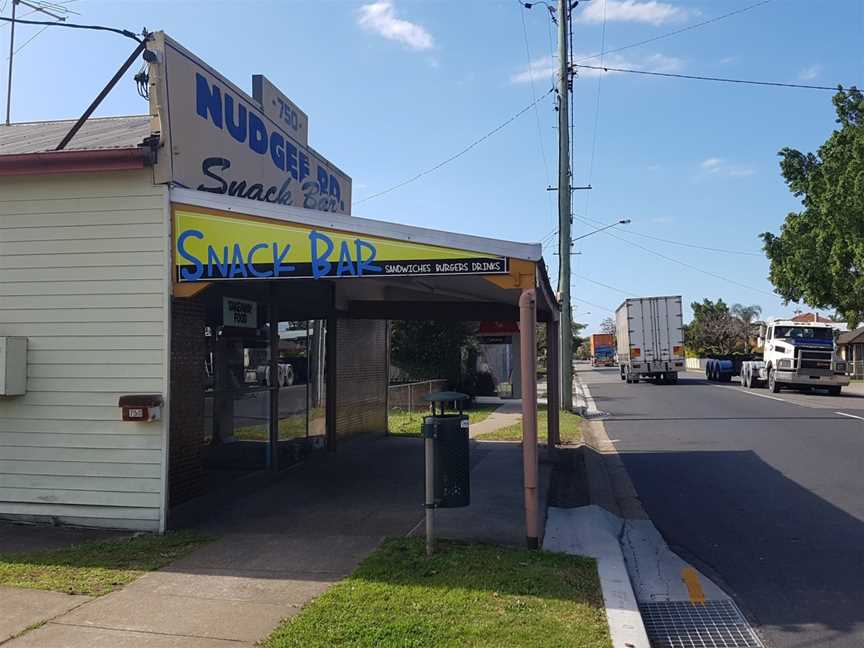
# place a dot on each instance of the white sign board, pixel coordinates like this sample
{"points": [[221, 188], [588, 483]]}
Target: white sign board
{"points": [[280, 108], [220, 140], [241, 313]]}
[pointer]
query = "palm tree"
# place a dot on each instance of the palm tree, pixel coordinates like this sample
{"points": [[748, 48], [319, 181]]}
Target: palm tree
{"points": [[747, 315]]}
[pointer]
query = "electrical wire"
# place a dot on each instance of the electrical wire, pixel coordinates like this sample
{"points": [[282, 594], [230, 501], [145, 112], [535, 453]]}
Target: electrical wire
{"points": [[27, 42], [462, 152], [776, 84], [122, 32], [536, 111], [682, 263], [600, 283], [677, 31], [592, 304]]}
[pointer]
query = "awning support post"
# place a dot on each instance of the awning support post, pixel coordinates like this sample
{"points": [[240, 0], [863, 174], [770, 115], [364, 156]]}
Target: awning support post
{"points": [[553, 384], [528, 340]]}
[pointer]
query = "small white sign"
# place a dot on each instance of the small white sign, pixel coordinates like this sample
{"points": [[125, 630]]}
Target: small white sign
{"points": [[239, 312]]}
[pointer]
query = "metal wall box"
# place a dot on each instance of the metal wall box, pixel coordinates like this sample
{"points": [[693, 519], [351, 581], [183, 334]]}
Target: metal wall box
{"points": [[141, 408], [13, 366]]}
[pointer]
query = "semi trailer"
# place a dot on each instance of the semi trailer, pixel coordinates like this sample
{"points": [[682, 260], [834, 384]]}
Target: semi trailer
{"points": [[650, 336], [798, 355], [603, 350]]}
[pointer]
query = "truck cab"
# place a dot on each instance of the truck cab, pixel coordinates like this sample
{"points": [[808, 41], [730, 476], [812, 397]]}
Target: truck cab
{"points": [[797, 355]]}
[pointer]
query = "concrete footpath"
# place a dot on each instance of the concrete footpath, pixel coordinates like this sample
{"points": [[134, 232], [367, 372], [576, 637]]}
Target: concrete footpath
{"points": [[281, 546]]}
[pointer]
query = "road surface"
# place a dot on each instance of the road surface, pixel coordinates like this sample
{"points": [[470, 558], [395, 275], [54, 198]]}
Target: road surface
{"points": [[763, 492]]}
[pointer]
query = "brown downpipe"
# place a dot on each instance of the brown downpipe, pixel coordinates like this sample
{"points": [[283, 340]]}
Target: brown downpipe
{"points": [[528, 340]]}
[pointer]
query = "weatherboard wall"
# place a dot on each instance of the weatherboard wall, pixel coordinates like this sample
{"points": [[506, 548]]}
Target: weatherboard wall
{"points": [[83, 268]]}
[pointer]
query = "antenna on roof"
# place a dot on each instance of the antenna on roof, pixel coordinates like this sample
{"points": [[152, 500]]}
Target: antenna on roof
{"points": [[55, 10]]}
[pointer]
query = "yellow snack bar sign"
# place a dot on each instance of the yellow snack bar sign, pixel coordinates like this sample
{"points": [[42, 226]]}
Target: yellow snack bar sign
{"points": [[214, 247]]}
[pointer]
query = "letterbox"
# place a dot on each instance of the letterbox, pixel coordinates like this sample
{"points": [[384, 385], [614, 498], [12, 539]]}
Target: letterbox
{"points": [[452, 469], [142, 408]]}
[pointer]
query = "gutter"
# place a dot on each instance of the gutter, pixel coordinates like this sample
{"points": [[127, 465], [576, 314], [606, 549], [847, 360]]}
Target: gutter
{"points": [[58, 162]]}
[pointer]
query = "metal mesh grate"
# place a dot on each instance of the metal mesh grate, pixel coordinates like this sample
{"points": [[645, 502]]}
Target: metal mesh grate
{"points": [[682, 624]]}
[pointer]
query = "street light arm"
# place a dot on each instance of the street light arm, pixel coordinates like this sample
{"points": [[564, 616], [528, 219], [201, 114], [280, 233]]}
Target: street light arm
{"points": [[600, 229]]}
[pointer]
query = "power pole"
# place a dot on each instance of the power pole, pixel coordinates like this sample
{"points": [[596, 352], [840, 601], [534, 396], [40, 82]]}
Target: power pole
{"points": [[564, 218]]}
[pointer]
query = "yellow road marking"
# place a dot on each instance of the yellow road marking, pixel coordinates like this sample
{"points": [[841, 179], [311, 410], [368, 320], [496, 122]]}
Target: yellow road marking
{"points": [[691, 579]]}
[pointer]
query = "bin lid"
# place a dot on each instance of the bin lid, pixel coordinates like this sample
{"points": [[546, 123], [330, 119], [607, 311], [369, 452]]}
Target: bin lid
{"points": [[445, 396]]}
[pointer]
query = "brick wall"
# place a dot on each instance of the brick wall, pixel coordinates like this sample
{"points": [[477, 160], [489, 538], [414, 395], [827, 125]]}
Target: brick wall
{"points": [[185, 446], [361, 377]]}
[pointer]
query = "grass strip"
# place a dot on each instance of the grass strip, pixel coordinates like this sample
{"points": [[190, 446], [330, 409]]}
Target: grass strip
{"points": [[467, 595], [569, 426], [407, 423], [96, 568]]}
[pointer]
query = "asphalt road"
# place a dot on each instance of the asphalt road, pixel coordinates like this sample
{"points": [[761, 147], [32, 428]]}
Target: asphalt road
{"points": [[763, 492]]}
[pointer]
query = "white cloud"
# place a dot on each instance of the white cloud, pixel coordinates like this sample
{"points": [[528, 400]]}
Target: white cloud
{"points": [[810, 72], [719, 166], [651, 12], [727, 60], [546, 67], [380, 18], [711, 165]]}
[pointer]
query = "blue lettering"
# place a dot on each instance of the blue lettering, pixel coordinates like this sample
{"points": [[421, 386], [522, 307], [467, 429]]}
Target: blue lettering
{"points": [[278, 258], [257, 134], [335, 190], [291, 150], [207, 100], [320, 265], [238, 128], [238, 265], [345, 262], [304, 165], [366, 264], [250, 261], [277, 150], [190, 275], [323, 177], [222, 263]]}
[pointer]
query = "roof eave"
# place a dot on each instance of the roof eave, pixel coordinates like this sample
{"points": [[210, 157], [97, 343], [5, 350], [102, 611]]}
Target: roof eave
{"points": [[57, 162]]}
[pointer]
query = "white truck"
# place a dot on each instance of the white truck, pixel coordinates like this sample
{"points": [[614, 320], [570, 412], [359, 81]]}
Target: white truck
{"points": [[650, 336], [800, 355]]}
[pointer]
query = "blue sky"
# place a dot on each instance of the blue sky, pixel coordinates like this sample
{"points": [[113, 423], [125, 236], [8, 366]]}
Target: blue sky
{"points": [[394, 87]]}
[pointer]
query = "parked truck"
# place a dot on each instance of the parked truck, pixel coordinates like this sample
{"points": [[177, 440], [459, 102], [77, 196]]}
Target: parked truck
{"points": [[603, 350], [650, 336], [798, 355]]}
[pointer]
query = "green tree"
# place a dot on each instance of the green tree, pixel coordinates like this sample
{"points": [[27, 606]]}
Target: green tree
{"points": [[714, 329], [427, 349], [746, 315], [608, 326], [818, 257]]}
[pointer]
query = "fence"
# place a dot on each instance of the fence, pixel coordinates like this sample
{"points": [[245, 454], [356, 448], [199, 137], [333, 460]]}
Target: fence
{"points": [[696, 364], [855, 369], [409, 396]]}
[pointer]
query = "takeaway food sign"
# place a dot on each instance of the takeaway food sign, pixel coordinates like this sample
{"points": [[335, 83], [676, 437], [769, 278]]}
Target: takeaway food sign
{"points": [[215, 246], [220, 140]]}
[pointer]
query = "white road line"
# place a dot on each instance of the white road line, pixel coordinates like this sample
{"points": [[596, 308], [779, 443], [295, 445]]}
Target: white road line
{"points": [[750, 393], [860, 418]]}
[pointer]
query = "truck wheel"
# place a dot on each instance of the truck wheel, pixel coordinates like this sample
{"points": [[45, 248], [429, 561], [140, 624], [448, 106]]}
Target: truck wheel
{"points": [[727, 378], [773, 385], [835, 390], [672, 378]]}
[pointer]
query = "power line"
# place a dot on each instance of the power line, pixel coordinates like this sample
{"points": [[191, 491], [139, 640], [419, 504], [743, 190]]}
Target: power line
{"points": [[600, 283], [536, 110], [775, 84], [678, 31], [684, 264], [122, 32], [706, 248], [460, 153], [693, 245], [585, 301]]}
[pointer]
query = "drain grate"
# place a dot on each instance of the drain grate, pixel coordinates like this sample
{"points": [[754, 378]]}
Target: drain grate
{"points": [[682, 624]]}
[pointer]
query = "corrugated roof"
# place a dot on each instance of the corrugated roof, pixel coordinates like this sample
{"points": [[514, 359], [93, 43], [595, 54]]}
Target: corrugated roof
{"points": [[96, 133], [849, 337]]}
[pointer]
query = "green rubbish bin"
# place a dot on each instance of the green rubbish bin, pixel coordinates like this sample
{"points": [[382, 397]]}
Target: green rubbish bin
{"points": [[450, 457]]}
